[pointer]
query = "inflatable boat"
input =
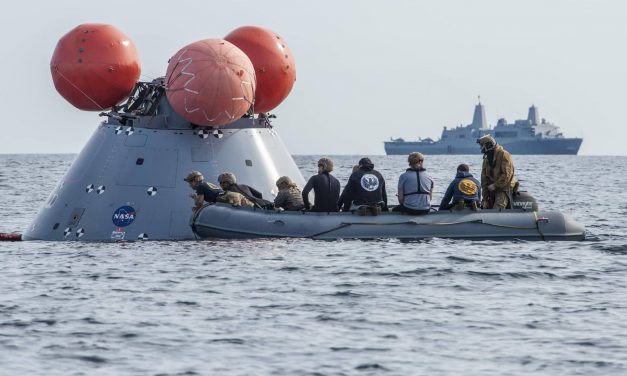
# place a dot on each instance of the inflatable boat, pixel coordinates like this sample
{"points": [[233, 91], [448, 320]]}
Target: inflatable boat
{"points": [[226, 221]]}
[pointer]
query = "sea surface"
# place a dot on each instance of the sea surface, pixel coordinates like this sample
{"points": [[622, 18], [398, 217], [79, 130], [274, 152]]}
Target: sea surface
{"points": [[304, 307]]}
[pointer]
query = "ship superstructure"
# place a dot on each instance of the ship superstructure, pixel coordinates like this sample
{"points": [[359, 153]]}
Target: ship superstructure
{"points": [[527, 136]]}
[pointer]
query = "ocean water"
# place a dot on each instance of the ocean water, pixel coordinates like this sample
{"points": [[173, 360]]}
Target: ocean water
{"points": [[303, 307]]}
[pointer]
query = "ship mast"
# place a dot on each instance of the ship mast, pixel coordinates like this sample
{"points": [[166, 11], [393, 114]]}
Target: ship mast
{"points": [[533, 115], [478, 118]]}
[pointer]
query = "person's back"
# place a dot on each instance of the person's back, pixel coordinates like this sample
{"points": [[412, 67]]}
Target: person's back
{"points": [[245, 190], [415, 187], [366, 186], [208, 190], [463, 191], [251, 194], [289, 197], [228, 182], [234, 198], [326, 189]]}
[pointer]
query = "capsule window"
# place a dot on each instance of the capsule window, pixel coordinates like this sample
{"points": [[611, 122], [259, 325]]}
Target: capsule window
{"points": [[249, 163], [139, 161]]}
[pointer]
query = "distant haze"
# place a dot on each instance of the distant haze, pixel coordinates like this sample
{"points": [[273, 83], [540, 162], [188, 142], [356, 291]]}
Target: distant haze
{"points": [[366, 71]]}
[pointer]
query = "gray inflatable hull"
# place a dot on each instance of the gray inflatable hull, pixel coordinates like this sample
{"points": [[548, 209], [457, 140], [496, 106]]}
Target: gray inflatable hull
{"points": [[225, 221]]}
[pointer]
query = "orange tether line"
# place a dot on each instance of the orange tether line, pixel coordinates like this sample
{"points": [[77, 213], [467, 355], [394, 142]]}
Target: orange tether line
{"points": [[77, 88]]}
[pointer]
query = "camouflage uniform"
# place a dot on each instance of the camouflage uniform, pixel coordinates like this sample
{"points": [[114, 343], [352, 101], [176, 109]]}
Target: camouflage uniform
{"points": [[289, 199], [501, 174], [235, 199]]}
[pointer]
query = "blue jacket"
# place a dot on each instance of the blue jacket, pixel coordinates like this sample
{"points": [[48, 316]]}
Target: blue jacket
{"points": [[464, 187]]}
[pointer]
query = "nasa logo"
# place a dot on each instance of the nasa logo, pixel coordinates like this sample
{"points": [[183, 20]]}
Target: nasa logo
{"points": [[123, 216], [369, 182], [467, 187]]}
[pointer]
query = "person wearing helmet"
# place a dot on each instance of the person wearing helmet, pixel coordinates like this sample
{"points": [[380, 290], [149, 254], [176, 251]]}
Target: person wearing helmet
{"points": [[497, 174], [203, 191], [415, 187], [365, 187], [325, 186], [289, 197], [228, 182], [464, 191]]}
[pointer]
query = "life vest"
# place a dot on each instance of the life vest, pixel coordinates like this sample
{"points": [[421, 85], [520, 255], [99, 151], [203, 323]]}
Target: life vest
{"points": [[420, 191]]}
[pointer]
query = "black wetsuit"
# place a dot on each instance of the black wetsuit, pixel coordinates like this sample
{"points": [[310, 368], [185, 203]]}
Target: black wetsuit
{"points": [[327, 191], [251, 193]]}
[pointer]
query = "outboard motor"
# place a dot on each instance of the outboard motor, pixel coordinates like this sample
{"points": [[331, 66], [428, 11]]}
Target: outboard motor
{"points": [[525, 201]]}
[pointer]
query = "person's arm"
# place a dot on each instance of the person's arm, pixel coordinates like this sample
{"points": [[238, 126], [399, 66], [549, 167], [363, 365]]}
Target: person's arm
{"points": [[340, 202], [305, 193], [198, 196], [280, 199], [504, 180], [479, 190], [199, 200], [431, 191], [400, 190], [484, 179], [255, 192], [384, 194], [347, 195], [447, 196]]}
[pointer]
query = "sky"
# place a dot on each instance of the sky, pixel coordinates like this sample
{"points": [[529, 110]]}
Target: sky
{"points": [[366, 70]]}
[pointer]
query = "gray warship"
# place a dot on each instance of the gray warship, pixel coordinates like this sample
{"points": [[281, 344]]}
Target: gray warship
{"points": [[525, 136]]}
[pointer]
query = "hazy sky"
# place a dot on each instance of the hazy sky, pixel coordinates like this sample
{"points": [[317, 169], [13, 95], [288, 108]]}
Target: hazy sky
{"points": [[366, 70]]}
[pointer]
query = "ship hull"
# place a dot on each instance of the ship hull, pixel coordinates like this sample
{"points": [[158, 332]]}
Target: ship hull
{"points": [[560, 146]]}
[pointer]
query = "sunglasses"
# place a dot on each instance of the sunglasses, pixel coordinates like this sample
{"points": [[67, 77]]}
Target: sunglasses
{"points": [[320, 165]]}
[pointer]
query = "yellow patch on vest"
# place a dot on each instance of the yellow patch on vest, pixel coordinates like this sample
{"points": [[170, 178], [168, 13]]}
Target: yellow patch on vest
{"points": [[467, 187]]}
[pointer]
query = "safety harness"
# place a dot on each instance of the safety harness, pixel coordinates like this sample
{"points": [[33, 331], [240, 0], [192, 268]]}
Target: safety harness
{"points": [[420, 191]]}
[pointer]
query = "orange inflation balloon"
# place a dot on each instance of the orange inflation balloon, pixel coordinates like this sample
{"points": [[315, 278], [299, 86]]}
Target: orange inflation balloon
{"points": [[273, 61], [95, 66], [210, 82]]}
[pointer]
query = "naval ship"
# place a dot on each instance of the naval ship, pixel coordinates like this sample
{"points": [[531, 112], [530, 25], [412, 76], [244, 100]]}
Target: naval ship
{"points": [[525, 136]]}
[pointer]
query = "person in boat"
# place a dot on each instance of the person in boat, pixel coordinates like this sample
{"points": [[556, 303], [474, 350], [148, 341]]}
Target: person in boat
{"points": [[365, 188], [497, 175], [463, 192], [325, 186], [415, 187], [235, 199], [228, 182], [289, 197], [203, 191]]}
